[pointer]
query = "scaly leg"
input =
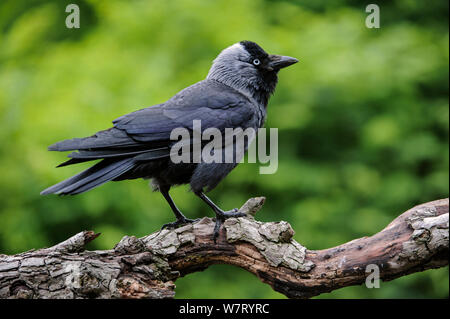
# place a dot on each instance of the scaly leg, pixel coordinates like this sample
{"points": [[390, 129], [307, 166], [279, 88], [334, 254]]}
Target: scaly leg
{"points": [[181, 219]]}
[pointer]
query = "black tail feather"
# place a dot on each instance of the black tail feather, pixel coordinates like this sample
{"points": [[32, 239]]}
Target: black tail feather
{"points": [[94, 176]]}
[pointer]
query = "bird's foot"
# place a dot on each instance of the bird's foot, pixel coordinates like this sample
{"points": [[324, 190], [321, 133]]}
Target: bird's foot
{"points": [[221, 216], [179, 222]]}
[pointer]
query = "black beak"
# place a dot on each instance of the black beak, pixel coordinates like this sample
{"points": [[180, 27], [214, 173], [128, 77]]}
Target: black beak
{"points": [[279, 61]]}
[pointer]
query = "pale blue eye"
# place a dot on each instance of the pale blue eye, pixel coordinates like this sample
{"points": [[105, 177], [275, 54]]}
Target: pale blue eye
{"points": [[256, 62]]}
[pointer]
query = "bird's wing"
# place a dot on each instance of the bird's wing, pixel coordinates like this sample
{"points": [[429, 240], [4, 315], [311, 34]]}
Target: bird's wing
{"points": [[110, 138], [148, 130], [214, 104], [116, 138], [116, 142]]}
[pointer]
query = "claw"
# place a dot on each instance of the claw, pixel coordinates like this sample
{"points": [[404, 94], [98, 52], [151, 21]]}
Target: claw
{"points": [[178, 223]]}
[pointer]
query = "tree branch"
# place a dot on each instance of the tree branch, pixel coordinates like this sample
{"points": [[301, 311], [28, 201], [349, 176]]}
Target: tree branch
{"points": [[147, 267]]}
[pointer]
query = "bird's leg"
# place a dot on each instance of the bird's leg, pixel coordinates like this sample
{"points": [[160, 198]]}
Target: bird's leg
{"points": [[221, 215], [181, 219]]}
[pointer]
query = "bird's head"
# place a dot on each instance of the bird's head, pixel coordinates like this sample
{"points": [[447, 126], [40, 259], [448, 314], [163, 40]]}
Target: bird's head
{"points": [[246, 67]]}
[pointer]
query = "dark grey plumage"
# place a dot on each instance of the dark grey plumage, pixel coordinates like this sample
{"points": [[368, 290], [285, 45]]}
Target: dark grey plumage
{"points": [[234, 94]]}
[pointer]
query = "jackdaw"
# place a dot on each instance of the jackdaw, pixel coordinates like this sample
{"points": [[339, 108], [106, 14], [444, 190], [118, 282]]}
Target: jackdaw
{"points": [[234, 94]]}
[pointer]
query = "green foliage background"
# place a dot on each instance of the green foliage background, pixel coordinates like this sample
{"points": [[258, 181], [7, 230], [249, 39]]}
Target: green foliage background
{"points": [[363, 120]]}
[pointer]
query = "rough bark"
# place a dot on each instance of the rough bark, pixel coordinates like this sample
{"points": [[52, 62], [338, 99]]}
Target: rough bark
{"points": [[147, 267]]}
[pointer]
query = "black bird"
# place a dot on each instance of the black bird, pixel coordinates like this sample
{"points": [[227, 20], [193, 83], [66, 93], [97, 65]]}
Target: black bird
{"points": [[234, 94]]}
